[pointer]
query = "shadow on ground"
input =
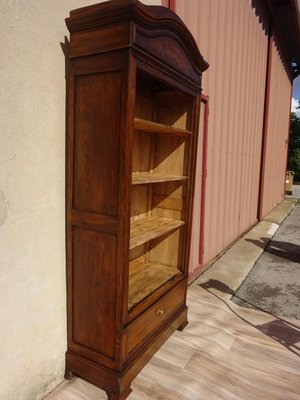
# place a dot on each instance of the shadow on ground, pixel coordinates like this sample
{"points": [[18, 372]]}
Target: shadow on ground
{"points": [[287, 250], [284, 332]]}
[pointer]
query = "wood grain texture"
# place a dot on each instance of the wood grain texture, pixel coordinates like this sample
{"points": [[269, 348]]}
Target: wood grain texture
{"points": [[87, 42], [145, 278], [140, 178], [171, 155], [167, 202], [227, 352], [154, 316], [122, 396], [102, 222], [155, 127], [146, 229], [168, 249], [97, 124], [94, 277], [175, 110]]}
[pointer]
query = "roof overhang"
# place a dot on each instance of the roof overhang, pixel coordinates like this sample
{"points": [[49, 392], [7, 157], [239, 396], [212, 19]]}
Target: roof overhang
{"points": [[286, 24]]}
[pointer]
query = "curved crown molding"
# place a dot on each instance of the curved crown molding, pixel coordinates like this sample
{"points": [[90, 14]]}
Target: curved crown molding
{"points": [[151, 18]]}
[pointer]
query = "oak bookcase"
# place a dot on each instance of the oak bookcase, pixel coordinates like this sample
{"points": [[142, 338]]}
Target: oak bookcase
{"points": [[134, 96]]}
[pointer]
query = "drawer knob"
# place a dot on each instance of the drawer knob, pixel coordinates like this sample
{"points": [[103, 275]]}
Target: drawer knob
{"points": [[159, 312]]}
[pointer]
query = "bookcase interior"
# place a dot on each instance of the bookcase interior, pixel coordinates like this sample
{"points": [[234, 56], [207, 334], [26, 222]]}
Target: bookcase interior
{"points": [[160, 165]]}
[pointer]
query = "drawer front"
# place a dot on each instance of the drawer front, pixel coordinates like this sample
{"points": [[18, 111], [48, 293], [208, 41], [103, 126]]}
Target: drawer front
{"points": [[152, 318]]}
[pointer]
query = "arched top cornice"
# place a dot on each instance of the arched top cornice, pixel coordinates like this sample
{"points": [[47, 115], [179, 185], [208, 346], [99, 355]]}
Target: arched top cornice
{"points": [[157, 20]]}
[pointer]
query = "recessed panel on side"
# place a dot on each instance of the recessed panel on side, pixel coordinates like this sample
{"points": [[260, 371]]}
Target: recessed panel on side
{"points": [[94, 290], [97, 122]]}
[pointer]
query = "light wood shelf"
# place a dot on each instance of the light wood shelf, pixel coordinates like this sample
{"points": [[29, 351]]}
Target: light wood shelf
{"points": [[145, 278], [140, 178], [146, 229], [155, 127]]}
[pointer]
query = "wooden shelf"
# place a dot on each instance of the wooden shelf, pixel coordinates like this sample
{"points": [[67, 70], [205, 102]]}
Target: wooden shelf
{"points": [[155, 127], [140, 178], [145, 278], [145, 229]]}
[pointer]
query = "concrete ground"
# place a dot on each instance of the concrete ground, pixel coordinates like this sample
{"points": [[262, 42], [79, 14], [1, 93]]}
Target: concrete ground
{"points": [[273, 284], [264, 273]]}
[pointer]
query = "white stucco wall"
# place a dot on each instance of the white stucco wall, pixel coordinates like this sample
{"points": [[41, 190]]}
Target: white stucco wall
{"points": [[32, 193]]}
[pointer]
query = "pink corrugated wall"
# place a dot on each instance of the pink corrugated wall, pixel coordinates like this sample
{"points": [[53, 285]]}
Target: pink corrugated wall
{"points": [[194, 252], [232, 40], [277, 134]]}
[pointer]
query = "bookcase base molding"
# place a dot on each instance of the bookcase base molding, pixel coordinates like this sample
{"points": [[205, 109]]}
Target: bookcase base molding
{"points": [[117, 383]]}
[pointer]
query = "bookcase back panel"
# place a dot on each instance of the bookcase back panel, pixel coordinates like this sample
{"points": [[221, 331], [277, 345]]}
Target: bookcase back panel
{"points": [[170, 155], [144, 106], [167, 250], [169, 195], [97, 126], [165, 212], [160, 199], [139, 252], [174, 109], [151, 270], [167, 202], [142, 159], [140, 202]]}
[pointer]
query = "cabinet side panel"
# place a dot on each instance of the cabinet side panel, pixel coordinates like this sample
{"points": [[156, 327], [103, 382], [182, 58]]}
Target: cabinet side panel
{"points": [[97, 122], [94, 290]]}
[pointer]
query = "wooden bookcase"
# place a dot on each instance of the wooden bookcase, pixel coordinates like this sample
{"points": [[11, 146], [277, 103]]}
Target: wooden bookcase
{"points": [[134, 84]]}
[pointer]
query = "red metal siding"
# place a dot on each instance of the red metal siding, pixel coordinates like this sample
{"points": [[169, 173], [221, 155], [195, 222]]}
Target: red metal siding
{"points": [[277, 134], [197, 245], [232, 40]]}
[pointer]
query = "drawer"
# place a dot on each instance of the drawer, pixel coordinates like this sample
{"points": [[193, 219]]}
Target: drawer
{"points": [[151, 319]]}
